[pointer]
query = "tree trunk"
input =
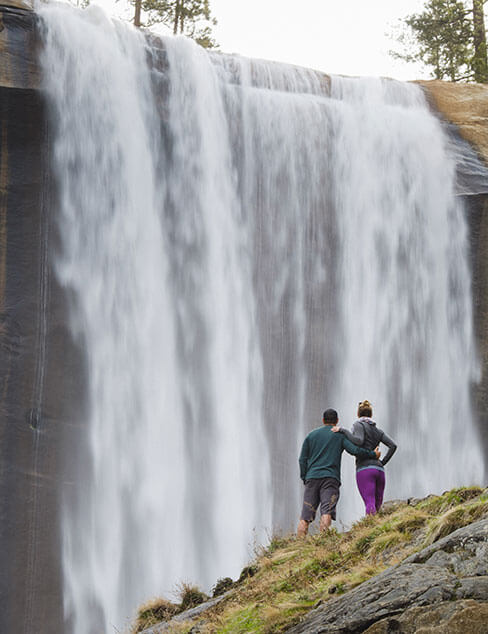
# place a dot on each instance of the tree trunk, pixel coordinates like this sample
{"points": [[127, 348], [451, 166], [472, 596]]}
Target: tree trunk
{"points": [[182, 15], [480, 64], [177, 17], [137, 13]]}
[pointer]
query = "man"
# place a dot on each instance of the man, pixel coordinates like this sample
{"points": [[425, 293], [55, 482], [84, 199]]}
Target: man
{"points": [[320, 470]]}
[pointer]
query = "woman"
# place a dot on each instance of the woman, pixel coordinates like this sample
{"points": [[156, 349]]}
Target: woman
{"points": [[370, 473]]}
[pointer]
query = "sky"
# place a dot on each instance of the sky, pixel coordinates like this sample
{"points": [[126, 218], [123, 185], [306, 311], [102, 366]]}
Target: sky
{"points": [[348, 37]]}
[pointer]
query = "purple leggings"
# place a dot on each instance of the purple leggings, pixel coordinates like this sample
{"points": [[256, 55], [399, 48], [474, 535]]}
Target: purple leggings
{"points": [[371, 485]]}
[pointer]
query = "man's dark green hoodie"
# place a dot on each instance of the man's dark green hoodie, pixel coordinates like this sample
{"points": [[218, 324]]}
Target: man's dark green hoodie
{"points": [[322, 451]]}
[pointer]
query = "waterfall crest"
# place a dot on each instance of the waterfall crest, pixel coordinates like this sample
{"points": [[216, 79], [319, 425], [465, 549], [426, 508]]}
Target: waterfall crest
{"points": [[243, 245]]}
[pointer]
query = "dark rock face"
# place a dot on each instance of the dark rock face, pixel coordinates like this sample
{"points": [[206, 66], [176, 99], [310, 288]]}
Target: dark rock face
{"points": [[38, 396], [445, 583], [477, 209]]}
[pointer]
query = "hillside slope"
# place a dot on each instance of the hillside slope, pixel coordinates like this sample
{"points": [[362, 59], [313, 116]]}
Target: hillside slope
{"points": [[417, 562]]}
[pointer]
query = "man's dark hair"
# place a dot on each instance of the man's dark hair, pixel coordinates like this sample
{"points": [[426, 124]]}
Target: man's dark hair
{"points": [[330, 416]]}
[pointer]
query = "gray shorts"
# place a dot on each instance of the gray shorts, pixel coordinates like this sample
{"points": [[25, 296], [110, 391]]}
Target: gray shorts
{"points": [[321, 490]]}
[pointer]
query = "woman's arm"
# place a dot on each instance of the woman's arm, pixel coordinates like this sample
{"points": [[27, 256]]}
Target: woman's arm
{"points": [[357, 434], [391, 448]]}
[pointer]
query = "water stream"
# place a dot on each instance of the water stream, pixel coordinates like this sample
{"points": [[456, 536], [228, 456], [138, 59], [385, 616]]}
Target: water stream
{"points": [[243, 246]]}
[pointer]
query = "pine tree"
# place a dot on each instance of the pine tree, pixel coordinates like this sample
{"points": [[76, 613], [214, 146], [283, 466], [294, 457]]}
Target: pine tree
{"points": [[185, 17], [449, 37], [479, 62]]}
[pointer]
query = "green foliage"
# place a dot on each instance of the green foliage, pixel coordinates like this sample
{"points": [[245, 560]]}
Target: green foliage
{"points": [[191, 596], [184, 17], [246, 620], [447, 37], [222, 586], [480, 60]]}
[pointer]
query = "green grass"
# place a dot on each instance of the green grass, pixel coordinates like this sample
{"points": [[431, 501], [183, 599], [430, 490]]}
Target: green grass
{"points": [[244, 620]]}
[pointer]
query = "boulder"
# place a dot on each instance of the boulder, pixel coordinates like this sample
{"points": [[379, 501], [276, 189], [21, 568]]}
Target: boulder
{"points": [[447, 579], [455, 617]]}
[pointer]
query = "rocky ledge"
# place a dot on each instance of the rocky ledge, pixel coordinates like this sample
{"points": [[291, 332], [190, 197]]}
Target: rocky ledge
{"points": [[464, 105], [442, 588]]}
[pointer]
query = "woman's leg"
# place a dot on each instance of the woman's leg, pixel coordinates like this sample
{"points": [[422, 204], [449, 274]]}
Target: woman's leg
{"points": [[380, 489], [366, 481]]}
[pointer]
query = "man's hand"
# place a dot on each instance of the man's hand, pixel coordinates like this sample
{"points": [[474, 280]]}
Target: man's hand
{"points": [[378, 453], [336, 428]]}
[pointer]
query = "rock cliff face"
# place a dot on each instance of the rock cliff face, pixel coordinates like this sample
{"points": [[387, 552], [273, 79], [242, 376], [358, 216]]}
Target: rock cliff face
{"points": [[34, 385], [443, 586]]}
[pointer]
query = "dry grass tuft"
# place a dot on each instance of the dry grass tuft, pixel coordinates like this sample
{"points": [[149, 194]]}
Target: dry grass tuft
{"points": [[153, 612]]}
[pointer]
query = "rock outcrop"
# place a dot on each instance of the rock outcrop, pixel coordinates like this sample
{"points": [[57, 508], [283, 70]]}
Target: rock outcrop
{"points": [[464, 105], [444, 587], [19, 43]]}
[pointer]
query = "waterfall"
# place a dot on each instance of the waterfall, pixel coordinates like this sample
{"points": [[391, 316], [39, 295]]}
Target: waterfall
{"points": [[242, 245]]}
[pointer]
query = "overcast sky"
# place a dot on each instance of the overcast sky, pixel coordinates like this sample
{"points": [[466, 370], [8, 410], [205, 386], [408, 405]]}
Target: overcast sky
{"points": [[337, 36], [348, 37]]}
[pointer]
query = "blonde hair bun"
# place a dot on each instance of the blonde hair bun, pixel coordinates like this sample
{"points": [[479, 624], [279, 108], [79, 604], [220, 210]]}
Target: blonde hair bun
{"points": [[365, 408]]}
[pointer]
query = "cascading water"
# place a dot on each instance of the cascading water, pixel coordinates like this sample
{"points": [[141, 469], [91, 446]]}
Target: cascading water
{"points": [[244, 245]]}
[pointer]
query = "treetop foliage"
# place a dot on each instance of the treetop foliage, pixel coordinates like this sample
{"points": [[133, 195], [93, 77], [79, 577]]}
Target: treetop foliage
{"points": [[446, 36], [186, 17]]}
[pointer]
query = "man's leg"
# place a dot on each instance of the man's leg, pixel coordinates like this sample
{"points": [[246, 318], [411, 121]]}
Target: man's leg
{"points": [[325, 521], [329, 495], [366, 481], [310, 503]]}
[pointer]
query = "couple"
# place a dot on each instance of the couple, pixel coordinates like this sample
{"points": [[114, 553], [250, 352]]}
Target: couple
{"points": [[320, 465]]}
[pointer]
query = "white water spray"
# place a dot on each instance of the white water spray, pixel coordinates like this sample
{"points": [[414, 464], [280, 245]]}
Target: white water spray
{"points": [[244, 246]]}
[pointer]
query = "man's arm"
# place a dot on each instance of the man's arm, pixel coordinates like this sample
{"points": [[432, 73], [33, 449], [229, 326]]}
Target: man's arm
{"points": [[391, 448], [303, 459], [358, 451]]}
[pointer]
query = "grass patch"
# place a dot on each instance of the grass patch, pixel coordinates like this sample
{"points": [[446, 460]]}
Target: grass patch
{"points": [[388, 540], [455, 518], [243, 620], [439, 503]]}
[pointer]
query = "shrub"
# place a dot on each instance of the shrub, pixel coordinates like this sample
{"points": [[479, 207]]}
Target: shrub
{"points": [[154, 611], [248, 571], [191, 596], [222, 586]]}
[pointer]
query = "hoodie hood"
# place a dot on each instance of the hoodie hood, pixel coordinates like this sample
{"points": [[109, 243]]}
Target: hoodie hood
{"points": [[366, 419]]}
